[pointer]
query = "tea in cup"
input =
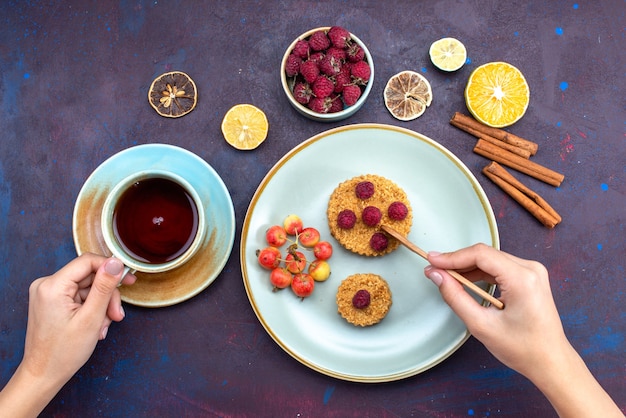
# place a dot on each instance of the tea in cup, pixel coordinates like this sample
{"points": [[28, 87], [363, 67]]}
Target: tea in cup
{"points": [[153, 221]]}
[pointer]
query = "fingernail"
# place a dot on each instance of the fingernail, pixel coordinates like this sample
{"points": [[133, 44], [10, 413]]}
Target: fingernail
{"points": [[104, 332], [113, 266], [434, 253], [435, 277], [122, 311]]}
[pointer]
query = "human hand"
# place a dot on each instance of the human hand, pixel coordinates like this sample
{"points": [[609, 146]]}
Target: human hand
{"points": [[69, 312], [527, 329], [527, 335]]}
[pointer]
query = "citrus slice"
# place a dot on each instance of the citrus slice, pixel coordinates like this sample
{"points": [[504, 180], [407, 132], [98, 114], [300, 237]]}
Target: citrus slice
{"points": [[245, 126], [407, 94], [497, 94], [448, 54], [173, 94]]}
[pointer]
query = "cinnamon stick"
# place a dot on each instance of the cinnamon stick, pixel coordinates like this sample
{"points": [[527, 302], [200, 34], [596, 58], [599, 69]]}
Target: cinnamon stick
{"points": [[529, 200], [518, 163], [512, 148], [523, 152], [472, 126]]}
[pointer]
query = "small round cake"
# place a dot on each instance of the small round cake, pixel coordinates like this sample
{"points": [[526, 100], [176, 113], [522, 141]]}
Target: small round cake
{"points": [[363, 299], [358, 207]]}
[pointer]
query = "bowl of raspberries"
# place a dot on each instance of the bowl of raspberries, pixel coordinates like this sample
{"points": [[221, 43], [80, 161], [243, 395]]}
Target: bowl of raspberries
{"points": [[327, 73]]}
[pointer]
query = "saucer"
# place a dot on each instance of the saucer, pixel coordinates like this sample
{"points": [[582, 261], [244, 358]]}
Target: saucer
{"points": [[175, 286]]}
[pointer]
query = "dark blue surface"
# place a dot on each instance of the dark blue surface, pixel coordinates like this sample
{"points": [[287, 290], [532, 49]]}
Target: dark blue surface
{"points": [[74, 82]]}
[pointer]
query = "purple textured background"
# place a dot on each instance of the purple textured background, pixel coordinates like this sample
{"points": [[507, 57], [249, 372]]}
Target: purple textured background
{"points": [[74, 80]]}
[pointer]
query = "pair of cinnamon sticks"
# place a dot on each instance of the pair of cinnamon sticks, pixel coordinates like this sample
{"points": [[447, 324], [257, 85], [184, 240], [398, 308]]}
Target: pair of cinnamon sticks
{"points": [[529, 199], [514, 152]]}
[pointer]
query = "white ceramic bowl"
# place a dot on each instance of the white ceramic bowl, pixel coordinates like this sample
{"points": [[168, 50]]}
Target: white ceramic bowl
{"points": [[289, 82]]}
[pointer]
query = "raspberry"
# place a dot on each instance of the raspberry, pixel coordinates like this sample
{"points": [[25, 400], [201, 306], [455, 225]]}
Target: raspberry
{"points": [[346, 219], [337, 53], [371, 216], [309, 71], [351, 94], [361, 299], [336, 105], [330, 65], [322, 87], [355, 53], [292, 66], [318, 41], [320, 104], [302, 93], [379, 241], [339, 36], [364, 190], [301, 49], [361, 72], [342, 79], [397, 211], [317, 57]]}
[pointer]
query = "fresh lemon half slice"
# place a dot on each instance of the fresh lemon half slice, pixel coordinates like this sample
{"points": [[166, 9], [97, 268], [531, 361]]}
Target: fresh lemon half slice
{"points": [[448, 54], [407, 95], [245, 126], [497, 94], [173, 94]]}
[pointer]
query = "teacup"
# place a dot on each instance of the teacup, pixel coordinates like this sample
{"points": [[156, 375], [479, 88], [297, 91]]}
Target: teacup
{"points": [[153, 221]]}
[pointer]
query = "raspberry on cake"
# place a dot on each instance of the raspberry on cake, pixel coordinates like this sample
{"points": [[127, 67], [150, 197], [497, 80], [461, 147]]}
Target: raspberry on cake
{"points": [[363, 299], [397, 211], [379, 241], [359, 206], [346, 219], [364, 190], [371, 216]]}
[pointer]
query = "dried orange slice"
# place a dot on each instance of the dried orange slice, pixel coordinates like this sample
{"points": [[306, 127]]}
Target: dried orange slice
{"points": [[245, 126], [407, 94], [497, 94], [173, 94], [448, 54]]}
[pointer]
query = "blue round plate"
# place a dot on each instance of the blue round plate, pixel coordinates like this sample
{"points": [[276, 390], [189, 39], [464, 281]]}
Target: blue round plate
{"points": [[161, 289], [450, 211]]}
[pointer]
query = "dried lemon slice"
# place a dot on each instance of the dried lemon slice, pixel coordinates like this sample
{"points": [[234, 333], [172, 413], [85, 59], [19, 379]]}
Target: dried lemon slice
{"points": [[245, 126], [448, 54], [173, 94], [407, 94], [497, 94]]}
